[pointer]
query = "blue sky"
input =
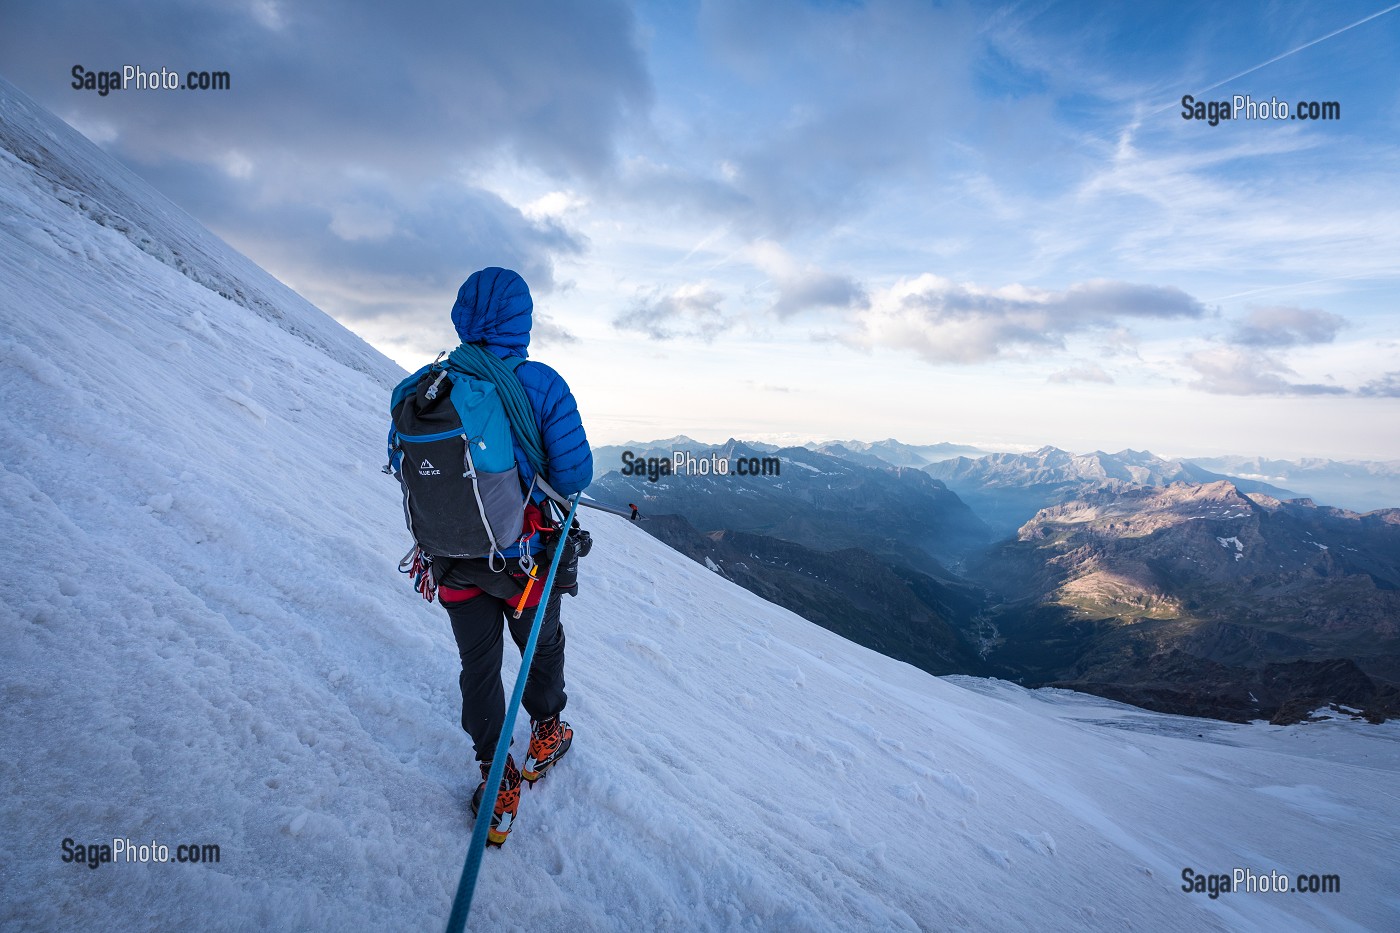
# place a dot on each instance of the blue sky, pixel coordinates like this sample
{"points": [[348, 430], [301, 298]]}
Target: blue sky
{"points": [[985, 223]]}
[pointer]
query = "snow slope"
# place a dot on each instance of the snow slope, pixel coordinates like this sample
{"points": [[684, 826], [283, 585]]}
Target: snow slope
{"points": [[206, 641]]}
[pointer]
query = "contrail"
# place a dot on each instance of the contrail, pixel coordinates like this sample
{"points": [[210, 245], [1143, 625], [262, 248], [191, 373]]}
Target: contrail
{"points": [[1292, 285], [1276, 58], [1301, 47]]}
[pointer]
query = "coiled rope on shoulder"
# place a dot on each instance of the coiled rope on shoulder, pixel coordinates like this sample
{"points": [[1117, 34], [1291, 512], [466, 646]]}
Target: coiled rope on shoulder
{"points": [[474, 359]]}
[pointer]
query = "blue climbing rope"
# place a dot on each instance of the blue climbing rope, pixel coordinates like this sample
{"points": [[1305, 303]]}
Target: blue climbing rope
{"points": [[466, 887], [476, 360]]}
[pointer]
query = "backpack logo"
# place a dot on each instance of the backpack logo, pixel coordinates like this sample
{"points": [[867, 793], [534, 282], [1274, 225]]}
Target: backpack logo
{"points": [[426, 468]]}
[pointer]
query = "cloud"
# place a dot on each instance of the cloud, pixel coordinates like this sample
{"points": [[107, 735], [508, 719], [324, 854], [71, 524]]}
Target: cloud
{"points": [[1084, 372], [1119, 342], [1387, 386], [352, 83], [362, 222], [1246, 371], [553, 205], [1251, 358], [797, 114], [346, 156], [948, 322], [548, 333], [804, 287], [1286, 327], [691, 311], [371, 248], [816, 289]]}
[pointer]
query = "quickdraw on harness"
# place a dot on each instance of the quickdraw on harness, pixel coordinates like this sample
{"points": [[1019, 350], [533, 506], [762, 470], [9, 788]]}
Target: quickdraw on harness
{"points": [[531, 568], [529, 585], [419, 567]]}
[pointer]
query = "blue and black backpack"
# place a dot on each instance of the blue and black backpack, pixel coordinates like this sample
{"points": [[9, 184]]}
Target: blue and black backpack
{"points": [[452, 451]]}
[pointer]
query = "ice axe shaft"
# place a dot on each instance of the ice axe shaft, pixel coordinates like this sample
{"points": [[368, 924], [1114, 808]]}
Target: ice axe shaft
{"points": [[625, 513]]}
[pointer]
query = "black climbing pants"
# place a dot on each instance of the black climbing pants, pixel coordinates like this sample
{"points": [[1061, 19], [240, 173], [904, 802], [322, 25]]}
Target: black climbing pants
{"points": [[476, 624]]}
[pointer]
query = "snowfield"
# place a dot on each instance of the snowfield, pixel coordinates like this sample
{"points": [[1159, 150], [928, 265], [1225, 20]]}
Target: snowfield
{"points": [[207, 641]]}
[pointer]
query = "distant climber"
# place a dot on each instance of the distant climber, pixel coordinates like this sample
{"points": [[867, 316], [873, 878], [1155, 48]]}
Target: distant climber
{"points": [[501, 580], [635, 513]]}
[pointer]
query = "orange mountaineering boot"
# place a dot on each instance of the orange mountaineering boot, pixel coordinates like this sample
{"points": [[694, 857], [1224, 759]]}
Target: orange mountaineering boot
{"points": [[507, 801], [549, 740]]}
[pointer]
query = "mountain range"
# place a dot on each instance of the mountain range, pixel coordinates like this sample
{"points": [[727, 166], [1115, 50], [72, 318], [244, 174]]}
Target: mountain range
{"points": [[893, 453], [1007, 490], [1088, 572], [1359, 485], [815, 499], [608, 457], [888, 452]]}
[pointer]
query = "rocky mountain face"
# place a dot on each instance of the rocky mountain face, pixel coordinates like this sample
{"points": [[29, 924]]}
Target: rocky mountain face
{"points": [[1006, 490], [1190, 597]]}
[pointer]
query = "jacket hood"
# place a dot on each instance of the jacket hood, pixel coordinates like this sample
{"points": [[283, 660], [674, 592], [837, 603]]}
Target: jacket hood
{"points": [[494, 307]]}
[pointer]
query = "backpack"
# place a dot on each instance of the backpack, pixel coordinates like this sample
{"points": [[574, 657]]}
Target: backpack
{"points": [[453, 453]]}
